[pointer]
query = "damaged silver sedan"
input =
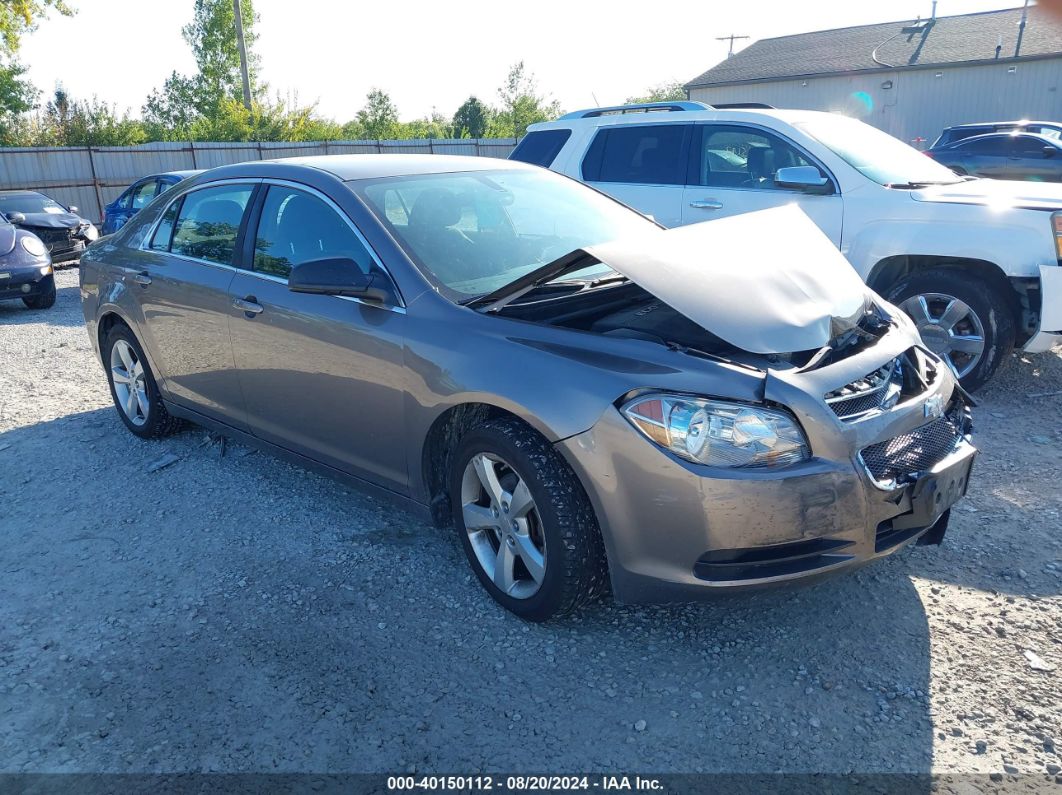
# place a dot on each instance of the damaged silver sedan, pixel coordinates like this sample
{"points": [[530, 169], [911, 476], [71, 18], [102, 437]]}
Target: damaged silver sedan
{"points": [[589, 400]]}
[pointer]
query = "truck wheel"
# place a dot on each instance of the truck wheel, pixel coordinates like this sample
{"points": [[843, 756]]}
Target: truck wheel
{"points": [[962, 318], [525, 522]]}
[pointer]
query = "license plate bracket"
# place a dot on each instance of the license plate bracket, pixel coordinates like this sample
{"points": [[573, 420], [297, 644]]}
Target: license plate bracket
{"points": [[931, 495]]}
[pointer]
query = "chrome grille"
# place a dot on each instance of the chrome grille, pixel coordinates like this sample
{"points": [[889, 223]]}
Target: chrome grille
{"points": [[917, 451]]}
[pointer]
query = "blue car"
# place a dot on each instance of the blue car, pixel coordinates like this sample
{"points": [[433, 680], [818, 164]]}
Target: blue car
{"points": [[137, 196]]}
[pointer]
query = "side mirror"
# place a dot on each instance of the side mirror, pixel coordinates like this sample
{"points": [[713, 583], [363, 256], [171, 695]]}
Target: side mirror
{"points": [[806, 178], [336, 276], [72, 208], [16, 218], [1049, 151]]}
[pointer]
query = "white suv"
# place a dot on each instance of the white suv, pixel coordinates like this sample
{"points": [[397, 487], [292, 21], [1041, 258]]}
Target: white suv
{"points": [[977, 263]]}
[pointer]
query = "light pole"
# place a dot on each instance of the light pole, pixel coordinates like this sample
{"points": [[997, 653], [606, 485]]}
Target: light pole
{"points": [[242, 47]]}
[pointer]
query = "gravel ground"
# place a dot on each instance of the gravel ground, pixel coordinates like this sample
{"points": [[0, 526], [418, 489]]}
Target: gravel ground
{"points": [[231, 612]]}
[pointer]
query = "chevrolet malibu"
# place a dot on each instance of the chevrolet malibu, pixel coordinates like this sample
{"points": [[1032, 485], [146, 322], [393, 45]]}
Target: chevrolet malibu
{"points": [[590, 401]]}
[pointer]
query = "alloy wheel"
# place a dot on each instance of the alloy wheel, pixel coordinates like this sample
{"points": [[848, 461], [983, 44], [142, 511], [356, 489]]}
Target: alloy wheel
{"points": [[130, 384], [503, 526], [949, 328]]}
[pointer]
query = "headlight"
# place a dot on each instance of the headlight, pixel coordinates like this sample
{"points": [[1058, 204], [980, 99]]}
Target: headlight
{"points": [[1056, 226], [717, 433], [34, 246], [91, 233]]}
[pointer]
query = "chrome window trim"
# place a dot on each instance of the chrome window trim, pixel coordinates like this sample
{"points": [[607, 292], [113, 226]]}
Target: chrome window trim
{"points": [[399, 308]]}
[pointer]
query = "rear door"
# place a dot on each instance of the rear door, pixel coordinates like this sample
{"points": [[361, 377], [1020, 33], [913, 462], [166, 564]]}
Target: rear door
{"points": [[643, 166], [984, 157], [322, 375], [732, 170], [183, 290]]}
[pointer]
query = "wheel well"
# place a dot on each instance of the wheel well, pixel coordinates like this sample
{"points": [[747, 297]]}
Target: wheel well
{"points": [[891, 269], [107, 322], [439, 447]]}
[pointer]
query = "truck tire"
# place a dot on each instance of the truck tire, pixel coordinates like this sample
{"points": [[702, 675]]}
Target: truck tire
{"points": [[963, 318]]}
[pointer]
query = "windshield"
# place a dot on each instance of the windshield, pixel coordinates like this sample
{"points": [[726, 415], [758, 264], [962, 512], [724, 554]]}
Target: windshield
{"points": [[474, 232], [877, 155], [29, 203]]}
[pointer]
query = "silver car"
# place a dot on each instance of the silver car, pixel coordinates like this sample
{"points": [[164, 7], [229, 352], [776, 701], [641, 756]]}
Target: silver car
{"points": [[590, 400]]}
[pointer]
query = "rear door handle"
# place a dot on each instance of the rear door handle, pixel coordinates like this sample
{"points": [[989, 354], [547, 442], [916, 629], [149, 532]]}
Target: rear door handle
{"points": [[248, 306], [707, 204], [142, 278]]}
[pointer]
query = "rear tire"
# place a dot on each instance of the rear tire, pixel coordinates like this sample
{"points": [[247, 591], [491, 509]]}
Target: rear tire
{"points": [[46, 299], [133, 388], [558, 534], [985, 313]]}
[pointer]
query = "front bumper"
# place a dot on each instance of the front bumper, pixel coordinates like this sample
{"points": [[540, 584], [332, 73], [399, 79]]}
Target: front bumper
{"points": [[23, 282], [677, 531], [1050, 332]]}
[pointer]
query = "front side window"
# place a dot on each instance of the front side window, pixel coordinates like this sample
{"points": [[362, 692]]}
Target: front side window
{"points": [[541, 148], [298, 227], [742, 157], [209, 221], [639, 154], [475, 232], [1024, 146], [142, 194]]}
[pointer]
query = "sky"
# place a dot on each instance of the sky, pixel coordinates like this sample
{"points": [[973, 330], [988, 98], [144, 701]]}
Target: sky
{"points": [[433, 55]]}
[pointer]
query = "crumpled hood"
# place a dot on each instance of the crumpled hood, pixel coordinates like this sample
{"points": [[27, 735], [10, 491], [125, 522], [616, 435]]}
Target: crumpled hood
{"points": [[998, 193], [52, 220], [7, 238], [765, 282]]}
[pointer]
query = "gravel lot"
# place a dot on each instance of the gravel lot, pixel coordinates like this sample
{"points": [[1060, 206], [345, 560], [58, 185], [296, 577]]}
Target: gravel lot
{"points": [[231, 612]]}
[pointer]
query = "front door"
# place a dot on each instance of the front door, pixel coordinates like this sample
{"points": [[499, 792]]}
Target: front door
{"points": [[322, 375], [182, 286], [732, 170]]}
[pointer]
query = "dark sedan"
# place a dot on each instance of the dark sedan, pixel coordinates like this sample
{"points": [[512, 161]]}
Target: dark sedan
{"points": [[60, 228], [25, 268], [1021, 156]]}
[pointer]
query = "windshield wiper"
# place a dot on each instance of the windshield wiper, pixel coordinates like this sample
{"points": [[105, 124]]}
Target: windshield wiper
{"points": [[916, 185]]}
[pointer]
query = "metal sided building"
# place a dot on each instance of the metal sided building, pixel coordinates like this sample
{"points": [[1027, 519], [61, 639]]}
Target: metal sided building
{"points": [[910, 79]]}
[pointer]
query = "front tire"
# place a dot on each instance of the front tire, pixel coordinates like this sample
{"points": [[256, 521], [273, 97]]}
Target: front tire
{"points": [[46, 299], [525, 522], [962, 318], [133, 388]]}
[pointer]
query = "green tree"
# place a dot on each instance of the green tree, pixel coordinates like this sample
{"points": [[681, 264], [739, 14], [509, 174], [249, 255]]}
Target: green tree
{"points": [[69, 122], [664, 92], [17, 95], [183, 102], [378, 119], [472, 119], [18, 17], [521, 104]]}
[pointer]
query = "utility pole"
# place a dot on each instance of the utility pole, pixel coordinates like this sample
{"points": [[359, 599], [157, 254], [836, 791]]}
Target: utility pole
{"points": [[730, 38], [242, 47]]}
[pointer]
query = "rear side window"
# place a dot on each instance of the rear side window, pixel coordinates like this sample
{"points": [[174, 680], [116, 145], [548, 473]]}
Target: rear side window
{"points": [[298, 227], [984, 146], [541, 148], [641, 154], [209, 221]]}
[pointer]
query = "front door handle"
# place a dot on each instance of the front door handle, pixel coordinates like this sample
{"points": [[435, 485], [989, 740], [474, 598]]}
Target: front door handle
{"points": [[707, 204], [248, 306], [142, 278]]}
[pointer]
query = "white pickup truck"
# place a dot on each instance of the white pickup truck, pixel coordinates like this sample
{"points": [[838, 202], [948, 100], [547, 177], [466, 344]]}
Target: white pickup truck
{"points": [[977, 263]]}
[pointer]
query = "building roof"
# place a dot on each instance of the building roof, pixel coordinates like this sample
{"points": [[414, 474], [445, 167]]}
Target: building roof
{"points": [[892, 45]]}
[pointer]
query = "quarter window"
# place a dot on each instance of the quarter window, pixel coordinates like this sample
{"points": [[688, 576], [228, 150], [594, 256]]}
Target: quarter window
{"points": [[742, 157], [160, 241], [639, 154], [208, 222], [541, 148], [298, 227]]}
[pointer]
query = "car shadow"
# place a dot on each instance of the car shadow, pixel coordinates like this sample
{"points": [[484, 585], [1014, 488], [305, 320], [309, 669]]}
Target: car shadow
{"points": [[184, 605]]}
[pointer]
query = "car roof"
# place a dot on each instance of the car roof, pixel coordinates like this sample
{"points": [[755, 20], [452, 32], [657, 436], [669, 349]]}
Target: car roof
{"points": [[1047, 139], [191, 172], [372, 166], [23, 193], [790, 116], [1018, 123]]}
